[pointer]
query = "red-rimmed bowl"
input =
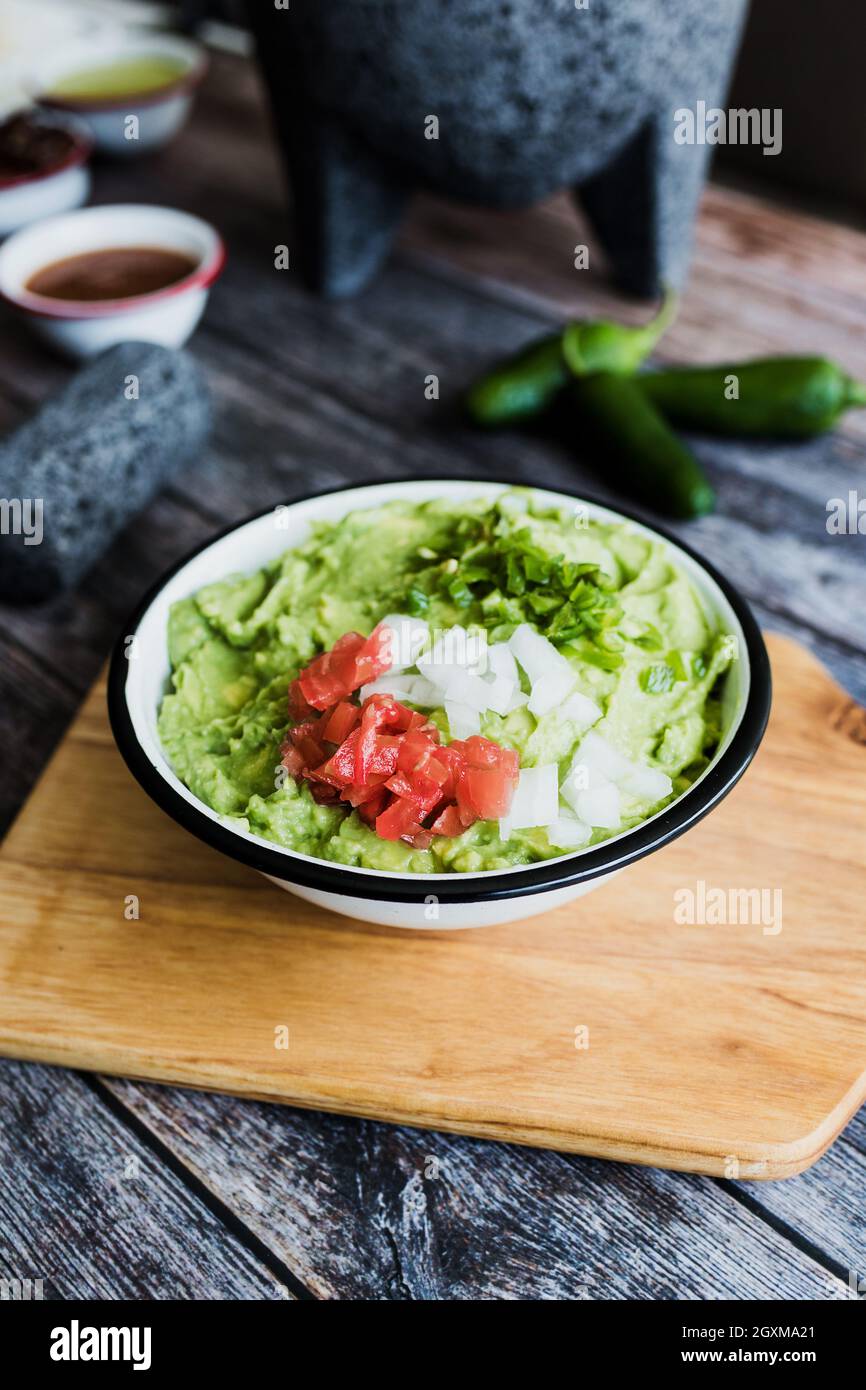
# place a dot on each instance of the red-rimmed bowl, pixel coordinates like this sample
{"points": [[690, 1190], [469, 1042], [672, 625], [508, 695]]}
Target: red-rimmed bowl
{"points": [[58, 187], [82, 328], [136, 122]]}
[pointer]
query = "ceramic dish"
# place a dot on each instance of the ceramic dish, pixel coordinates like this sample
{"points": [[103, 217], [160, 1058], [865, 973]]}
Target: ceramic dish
{"points": [[136, 687], [157, 115], [83, 328], [26, 198]]}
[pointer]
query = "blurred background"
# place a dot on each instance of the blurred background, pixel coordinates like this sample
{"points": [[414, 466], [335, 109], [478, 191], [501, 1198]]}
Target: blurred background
{"points": [[794, 55], [798, 56]]}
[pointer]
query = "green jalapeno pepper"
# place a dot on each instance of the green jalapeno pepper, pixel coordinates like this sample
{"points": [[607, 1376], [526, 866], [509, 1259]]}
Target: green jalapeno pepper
{"points": [[524, 385], [635, 447], [785, 397]]}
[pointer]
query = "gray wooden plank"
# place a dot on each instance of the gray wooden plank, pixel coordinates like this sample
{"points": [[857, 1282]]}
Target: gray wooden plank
{"points": [[364, 1210], [36, 705], [86, 1207], [52, 653], [71, 634], [825, 1204]]}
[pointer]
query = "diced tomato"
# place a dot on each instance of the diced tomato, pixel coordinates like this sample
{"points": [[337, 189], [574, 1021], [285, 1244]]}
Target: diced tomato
{"points": [[323, 794], [373, 805], [448, 822], [400, 785], [487, 791], [482, 752], [298, 707], [326, 679], [421, 791], [416, 749], [340, 722], [340, 767], [303, 730], [359, 796], [352, 662], [311, 751], [306, 741], [450, 760], [378, 713], [373, 658], [342, 659], [385, 755], [389, 762], [399, 821], [291, 759]]}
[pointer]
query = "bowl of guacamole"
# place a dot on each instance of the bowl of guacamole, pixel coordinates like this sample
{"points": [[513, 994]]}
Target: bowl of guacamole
{"points": [[440, 703]]}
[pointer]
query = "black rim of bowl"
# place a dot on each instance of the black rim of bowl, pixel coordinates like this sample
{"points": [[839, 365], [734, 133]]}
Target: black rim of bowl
{"points": [[549, 874]]}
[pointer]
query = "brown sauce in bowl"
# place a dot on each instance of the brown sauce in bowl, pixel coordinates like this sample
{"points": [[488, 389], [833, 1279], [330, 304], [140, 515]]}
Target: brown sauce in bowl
{"points": [[121, 272]]}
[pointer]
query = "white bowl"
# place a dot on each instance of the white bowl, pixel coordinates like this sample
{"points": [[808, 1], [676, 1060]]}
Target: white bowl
{"points": [[429, 901], [158, 115], [26, 198], [82, 329]]}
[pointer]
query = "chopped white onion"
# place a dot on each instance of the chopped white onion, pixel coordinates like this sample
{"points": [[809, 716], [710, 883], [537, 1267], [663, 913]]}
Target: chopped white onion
{"points": [[595, 753], [579, 709], [407, 637], [599, 806], [500, 659], [422, 692], [441, 677], [647, 783], [465, 689], [577, 781], [463, 720], [536, 655], [601, 762], [394, 684], [454, 647], [517, 701], [501, 693], [567, 832], [402, 686], [535, 801], [551, 690]]}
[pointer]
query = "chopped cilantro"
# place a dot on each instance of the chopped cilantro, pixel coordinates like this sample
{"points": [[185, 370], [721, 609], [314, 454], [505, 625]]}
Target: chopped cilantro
{"points": [[417, 602]]}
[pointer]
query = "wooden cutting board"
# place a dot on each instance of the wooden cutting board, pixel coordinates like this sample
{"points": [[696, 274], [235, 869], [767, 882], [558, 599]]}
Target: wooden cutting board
{"points": [[606, 1027]]}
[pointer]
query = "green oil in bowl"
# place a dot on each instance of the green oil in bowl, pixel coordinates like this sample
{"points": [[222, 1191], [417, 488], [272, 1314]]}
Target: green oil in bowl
{"points": [[124, 77]]}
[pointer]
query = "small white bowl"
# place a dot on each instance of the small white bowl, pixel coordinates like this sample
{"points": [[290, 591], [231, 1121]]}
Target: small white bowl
{"points": [[427, 901], [83, 328], [158, 115], [25, 198]]}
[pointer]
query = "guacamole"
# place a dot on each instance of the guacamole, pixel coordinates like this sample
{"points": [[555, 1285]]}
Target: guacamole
{"points": [[640, 711]]}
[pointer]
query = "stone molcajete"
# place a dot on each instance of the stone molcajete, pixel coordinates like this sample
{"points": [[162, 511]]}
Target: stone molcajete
{"points": [[529, 96]]}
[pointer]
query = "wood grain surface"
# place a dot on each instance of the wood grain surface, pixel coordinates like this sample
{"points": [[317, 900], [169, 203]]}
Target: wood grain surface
{"points": [[308, 391], [737, 1049]]}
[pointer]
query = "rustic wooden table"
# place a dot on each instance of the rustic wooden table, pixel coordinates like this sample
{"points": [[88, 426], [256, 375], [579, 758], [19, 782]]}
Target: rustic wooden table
{"points": [[115, 1189]]}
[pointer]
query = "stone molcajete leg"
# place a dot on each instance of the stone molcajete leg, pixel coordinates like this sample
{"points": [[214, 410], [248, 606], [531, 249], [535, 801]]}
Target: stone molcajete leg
{"points": [[642, 206], [347, 203], [347, 209]]}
